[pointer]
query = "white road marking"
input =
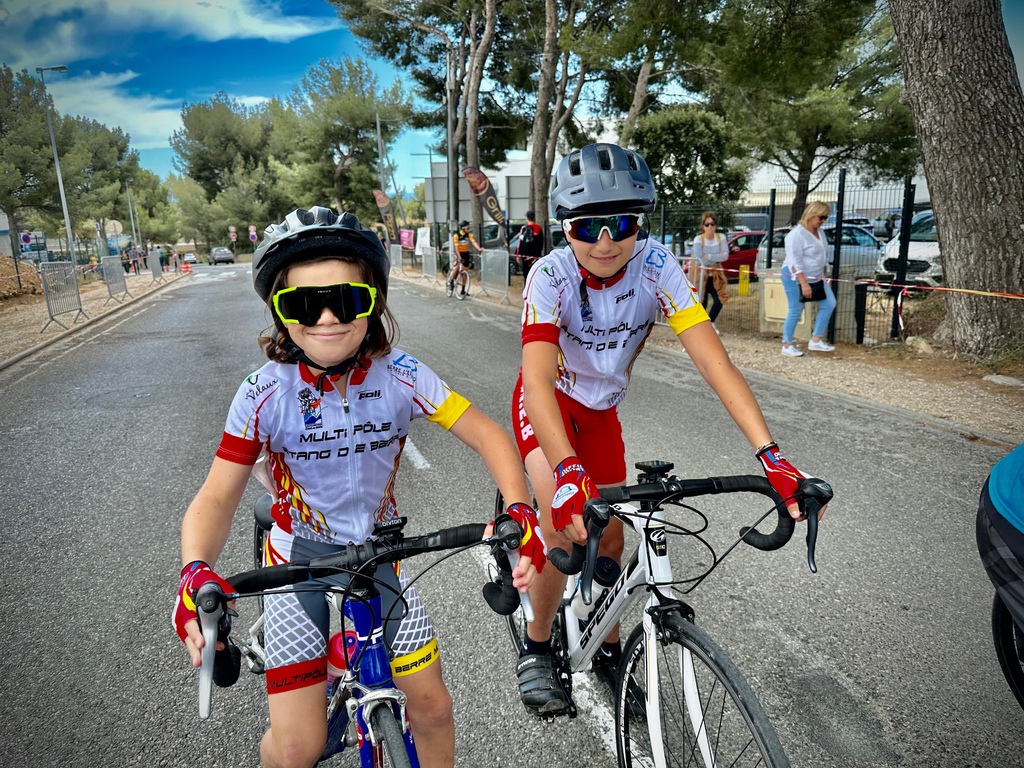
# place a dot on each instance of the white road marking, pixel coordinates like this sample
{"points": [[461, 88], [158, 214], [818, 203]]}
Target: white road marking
{"points": [[412, 453], [591, 698]]}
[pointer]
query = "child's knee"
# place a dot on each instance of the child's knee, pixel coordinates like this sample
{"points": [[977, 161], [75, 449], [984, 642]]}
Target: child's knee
{"points": [[431, 709]]}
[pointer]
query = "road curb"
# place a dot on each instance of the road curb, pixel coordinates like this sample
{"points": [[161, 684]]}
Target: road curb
{"points": [[90, 321]]}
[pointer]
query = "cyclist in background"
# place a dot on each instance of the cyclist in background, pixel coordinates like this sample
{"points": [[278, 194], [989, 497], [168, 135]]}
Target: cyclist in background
{"points": [[332, 410], [1000, 530], [462, 238], [587, 312]]}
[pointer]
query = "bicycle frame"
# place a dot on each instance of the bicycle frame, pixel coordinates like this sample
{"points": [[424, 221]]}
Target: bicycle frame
{"points": [[371, 685], [647, 568]]}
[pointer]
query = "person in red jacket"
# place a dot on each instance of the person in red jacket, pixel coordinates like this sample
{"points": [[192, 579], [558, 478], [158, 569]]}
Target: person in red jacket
{"points": [[531, 245]]}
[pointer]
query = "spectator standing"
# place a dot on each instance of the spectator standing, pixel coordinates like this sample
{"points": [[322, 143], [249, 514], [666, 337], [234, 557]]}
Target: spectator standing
{"points": [[126, 262], [892, 223], [803, 279], [531, 244], [710, 249]]}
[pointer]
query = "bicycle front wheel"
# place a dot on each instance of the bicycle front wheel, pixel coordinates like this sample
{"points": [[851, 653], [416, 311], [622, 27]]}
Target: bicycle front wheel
{"points": [[1009, 642], [703, 711], [390, 750], [462, 285]]}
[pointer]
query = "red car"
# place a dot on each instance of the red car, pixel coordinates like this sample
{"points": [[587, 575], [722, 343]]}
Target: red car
{"points": [[742, 250]]}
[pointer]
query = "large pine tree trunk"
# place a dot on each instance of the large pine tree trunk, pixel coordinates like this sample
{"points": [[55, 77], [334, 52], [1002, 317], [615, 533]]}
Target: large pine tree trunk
{"points": [[963, 89]]}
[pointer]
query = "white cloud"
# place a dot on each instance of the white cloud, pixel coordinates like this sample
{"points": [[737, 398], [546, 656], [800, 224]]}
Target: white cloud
{"points": [[149, 120], [81, 29]]}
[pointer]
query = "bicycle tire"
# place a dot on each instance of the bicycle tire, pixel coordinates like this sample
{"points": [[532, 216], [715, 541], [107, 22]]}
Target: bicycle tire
{"points": [[390, 751], [449, 287], [462, 285], [259, 541], [741, 733], [1009, 641]]}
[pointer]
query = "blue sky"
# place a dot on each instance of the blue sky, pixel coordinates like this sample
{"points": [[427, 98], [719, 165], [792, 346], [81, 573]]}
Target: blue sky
{"points": [[132, 63]]}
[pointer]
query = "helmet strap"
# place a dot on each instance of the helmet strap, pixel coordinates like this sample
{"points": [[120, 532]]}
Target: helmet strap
{"points": [[294, 351]]}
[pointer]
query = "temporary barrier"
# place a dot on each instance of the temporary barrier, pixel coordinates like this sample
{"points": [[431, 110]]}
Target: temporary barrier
{"points": [[113, 276], [494, 273], [156, 267], [395, 255], [430, 264], [60, 286]]}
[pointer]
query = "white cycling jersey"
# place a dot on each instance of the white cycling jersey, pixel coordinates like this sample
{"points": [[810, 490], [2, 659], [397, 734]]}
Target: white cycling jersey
{"points": [[597, 348], [332, 460]]}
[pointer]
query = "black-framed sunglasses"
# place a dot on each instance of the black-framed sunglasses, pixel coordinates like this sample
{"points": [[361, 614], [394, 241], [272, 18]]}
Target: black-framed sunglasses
{"points": [[588, 229], [304, 304], [709, 224]]}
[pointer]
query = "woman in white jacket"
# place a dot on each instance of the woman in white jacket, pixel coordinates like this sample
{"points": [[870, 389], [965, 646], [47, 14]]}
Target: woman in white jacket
{"points": [[803, 274]]}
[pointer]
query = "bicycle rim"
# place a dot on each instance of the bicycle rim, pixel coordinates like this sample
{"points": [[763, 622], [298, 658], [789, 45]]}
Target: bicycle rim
{"points": [[390, 750], [1008, 638], [709, 716], [462, 285]]}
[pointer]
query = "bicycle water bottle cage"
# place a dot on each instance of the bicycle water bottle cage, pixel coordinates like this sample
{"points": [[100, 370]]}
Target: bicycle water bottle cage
{"points": [[654, 470]]}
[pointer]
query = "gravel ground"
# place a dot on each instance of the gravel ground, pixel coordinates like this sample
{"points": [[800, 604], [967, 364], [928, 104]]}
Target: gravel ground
{"points": [[933, 385]]}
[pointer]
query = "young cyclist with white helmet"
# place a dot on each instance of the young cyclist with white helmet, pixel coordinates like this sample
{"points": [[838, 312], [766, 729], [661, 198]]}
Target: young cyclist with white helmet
{"points": [[332, 410], [588, 309]]}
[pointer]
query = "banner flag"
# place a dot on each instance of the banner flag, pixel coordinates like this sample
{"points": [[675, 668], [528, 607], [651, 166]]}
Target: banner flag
{"points": [[480, 185], [387, 214]]}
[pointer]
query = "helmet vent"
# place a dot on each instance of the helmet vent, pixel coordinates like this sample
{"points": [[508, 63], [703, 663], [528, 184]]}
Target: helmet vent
{"points": [[605, 159], [574, 164], [632, 161]]}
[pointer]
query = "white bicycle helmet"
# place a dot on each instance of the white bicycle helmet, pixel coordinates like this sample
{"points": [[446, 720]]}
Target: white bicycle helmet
{"points": [[601, 179]]}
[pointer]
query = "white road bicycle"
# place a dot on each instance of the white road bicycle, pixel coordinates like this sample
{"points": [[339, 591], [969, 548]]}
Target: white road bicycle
{"points": [[679, 700]]}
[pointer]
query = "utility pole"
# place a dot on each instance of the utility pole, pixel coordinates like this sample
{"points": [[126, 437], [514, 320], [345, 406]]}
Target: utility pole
{"points": [[453, 171], [56, 161]]}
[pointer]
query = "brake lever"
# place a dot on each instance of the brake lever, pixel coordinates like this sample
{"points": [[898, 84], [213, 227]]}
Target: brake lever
{"points": [[599, 514], [813, 495], [209, 610]]}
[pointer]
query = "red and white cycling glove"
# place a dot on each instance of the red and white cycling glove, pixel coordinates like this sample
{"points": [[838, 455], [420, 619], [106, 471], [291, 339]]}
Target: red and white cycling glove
{"points": [[532, 544], [574, 489], [782, 476], [193, 576]]}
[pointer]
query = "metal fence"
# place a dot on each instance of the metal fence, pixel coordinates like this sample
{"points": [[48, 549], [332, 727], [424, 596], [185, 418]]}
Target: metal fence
{"points": [[430, 264], [395, 256], [869, 276], [60, 286], [156, 268], [113, 276], [494, 273]]}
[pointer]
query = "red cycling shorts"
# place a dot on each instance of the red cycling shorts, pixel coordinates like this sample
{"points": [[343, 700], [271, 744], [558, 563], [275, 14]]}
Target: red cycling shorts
{"points": [[595, 436]]}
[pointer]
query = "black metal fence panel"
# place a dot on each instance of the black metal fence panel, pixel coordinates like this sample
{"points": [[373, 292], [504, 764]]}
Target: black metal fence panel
{"points": [[60, 286]]}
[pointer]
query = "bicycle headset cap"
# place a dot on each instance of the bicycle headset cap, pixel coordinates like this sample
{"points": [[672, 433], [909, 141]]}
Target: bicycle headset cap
{"points": [[319, 231], [601, 179]]}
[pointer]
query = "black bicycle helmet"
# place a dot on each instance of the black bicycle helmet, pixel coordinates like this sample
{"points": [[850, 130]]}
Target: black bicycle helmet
{"points": [[319, 230], [463, 224], [601, 179]]}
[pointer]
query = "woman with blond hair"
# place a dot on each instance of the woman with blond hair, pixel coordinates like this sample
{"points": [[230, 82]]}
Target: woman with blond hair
{"points": [[803, 279]]}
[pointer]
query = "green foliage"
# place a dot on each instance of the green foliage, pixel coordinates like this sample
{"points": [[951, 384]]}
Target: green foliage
{"points": [[693, 156]]}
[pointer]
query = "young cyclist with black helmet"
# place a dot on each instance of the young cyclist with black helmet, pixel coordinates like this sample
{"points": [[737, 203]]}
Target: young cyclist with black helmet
{"points": [[462, 240], [588, 309], [334, 379]]}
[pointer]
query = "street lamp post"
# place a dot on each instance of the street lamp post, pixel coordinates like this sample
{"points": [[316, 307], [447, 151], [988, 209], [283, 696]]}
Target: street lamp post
{"points": [[56, 160]]}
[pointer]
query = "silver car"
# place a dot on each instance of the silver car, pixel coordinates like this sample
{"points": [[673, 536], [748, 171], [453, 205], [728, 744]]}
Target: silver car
{"points": [[220, 255]]}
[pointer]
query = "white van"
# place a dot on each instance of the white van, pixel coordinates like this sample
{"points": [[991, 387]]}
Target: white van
{"points": [[924, 264]]}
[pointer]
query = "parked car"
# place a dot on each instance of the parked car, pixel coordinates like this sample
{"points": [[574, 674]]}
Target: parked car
{"points": [[556, 239], [858, 248], [742, 250], [878, 223], [924, 263], [220, 255], [188, 258]]}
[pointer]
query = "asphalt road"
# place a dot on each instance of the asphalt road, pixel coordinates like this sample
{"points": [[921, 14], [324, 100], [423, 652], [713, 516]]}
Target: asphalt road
{"points": [[882, 659]]}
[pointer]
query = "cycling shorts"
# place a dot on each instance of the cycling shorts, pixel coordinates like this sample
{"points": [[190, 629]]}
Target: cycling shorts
{"points": [[296, 624], [466, 259], [595, 436], [1001, 547]]}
